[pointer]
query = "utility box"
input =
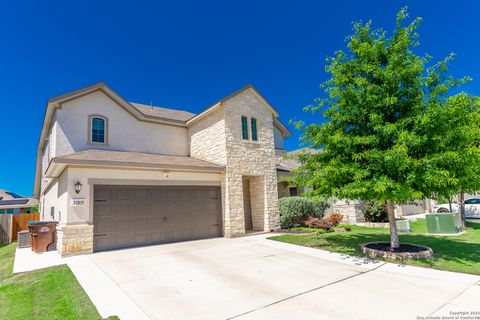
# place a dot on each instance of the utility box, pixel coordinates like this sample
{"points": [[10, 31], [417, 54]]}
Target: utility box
{"points": [[24, 239], [443, 223], [403, 226]]}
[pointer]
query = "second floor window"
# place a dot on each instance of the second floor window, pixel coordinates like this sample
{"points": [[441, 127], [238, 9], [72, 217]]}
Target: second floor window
{"points": [[98, 129], [254, 129], [244, 128]]}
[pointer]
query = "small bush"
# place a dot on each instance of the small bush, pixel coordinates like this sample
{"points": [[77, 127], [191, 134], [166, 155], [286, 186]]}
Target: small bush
{"points": [[318, 223], [294, 210], [374, 211], [335, 219], [326, 224], [321, 205], [313, 222]]}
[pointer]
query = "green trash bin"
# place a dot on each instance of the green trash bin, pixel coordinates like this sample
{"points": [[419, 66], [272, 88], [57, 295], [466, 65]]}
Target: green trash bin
{"points": [[443, 223]]}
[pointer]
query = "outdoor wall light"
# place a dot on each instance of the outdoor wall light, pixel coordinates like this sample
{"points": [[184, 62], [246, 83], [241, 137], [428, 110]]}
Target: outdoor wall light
{"points": [[166, 174], [78, 186]]}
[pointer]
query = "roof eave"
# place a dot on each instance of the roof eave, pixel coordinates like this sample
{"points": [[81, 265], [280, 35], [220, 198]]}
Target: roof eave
{"points": [[219, 103], [57, 165]]}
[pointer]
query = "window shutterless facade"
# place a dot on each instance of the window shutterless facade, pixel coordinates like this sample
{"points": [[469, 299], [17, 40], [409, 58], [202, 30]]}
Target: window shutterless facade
{"points": [[244, 128], [253, 123], [97, 129]]}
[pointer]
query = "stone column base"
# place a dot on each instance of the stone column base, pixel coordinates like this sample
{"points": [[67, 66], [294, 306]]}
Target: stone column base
{"points": [[75, 239]]}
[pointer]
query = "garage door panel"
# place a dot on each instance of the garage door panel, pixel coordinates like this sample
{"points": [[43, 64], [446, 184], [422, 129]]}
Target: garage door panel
{"points": [[158, 237], [130, 216], [122, 225], [104, 226], [103, 210], [120, 209], [103, 194], [121, 194]]}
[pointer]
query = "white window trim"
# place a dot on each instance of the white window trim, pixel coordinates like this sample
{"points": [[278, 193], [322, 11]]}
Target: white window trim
{"points": [[90, 127]]}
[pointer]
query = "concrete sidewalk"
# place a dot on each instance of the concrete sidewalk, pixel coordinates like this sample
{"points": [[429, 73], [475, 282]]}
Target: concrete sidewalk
{"points": [[256, 278]]}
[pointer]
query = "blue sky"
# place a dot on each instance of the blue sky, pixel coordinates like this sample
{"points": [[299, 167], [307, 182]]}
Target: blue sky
{"points": [[188, 54]]}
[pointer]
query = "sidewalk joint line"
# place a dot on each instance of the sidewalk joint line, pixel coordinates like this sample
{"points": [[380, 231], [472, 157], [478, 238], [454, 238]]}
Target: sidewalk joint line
{"points": [[305, 292]]}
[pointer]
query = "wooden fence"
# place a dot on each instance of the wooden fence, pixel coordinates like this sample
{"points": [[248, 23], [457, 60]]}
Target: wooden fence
{"points": [[5, 228], [10, 224]]}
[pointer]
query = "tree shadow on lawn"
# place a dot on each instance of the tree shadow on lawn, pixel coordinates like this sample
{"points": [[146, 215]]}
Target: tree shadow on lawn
{"points": [[447, 250]]}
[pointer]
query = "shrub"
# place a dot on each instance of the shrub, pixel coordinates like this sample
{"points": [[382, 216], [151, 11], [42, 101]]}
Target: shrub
{"points": [[312, 222], [334, 219], [318, 223], [374, 211], [321, 205], [294, 210]]}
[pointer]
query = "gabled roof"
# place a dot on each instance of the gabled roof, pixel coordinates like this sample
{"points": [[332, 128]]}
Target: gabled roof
{"points": [[162, 115], [249, 87]]}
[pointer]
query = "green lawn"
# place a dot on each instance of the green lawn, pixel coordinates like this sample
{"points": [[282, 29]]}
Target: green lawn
{"points": [[452, 253], [51, 293]]}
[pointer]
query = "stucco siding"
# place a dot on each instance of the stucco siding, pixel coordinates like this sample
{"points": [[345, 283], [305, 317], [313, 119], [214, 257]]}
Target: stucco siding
{"points": [[125, 132], [55, 197]]}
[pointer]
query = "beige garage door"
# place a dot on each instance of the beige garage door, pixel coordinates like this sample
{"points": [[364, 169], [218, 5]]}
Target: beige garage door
{"points": [[126, 216]]}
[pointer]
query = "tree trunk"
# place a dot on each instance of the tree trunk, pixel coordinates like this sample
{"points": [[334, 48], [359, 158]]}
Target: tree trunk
{"points": [[394, 243], [462, 208], [450, 204]]}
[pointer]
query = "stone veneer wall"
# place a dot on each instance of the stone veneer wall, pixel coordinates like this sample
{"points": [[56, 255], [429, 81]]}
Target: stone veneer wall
{"points": [[250, 158], [218, 138], [350, 209], [75, 239], [257, 200], [207, 138]]}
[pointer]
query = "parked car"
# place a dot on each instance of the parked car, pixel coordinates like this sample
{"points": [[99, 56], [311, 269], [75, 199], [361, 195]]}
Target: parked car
{"points": [[472, 207]]}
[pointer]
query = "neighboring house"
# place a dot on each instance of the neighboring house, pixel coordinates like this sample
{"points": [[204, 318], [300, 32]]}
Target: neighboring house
{"points": [[12, 203], [350, 209], [118, 174], [286, 163]]}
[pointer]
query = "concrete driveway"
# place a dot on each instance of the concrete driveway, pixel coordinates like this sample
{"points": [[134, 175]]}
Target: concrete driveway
{"points": [[256, 278]]}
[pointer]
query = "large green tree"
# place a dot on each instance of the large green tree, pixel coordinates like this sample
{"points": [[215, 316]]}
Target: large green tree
{"points": [[376, 125], [454, 162]]}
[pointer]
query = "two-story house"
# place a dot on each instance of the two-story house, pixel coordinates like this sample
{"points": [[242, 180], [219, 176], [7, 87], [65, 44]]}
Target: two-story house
{"points": [[116, 174]]}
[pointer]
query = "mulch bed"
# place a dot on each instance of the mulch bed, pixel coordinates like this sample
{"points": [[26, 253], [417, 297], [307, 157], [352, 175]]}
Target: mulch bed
{"points": [[405, 251], [291, 231]]}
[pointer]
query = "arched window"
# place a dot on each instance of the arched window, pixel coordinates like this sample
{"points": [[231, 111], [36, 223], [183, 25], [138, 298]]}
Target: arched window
{"points": [[98, 127]]}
